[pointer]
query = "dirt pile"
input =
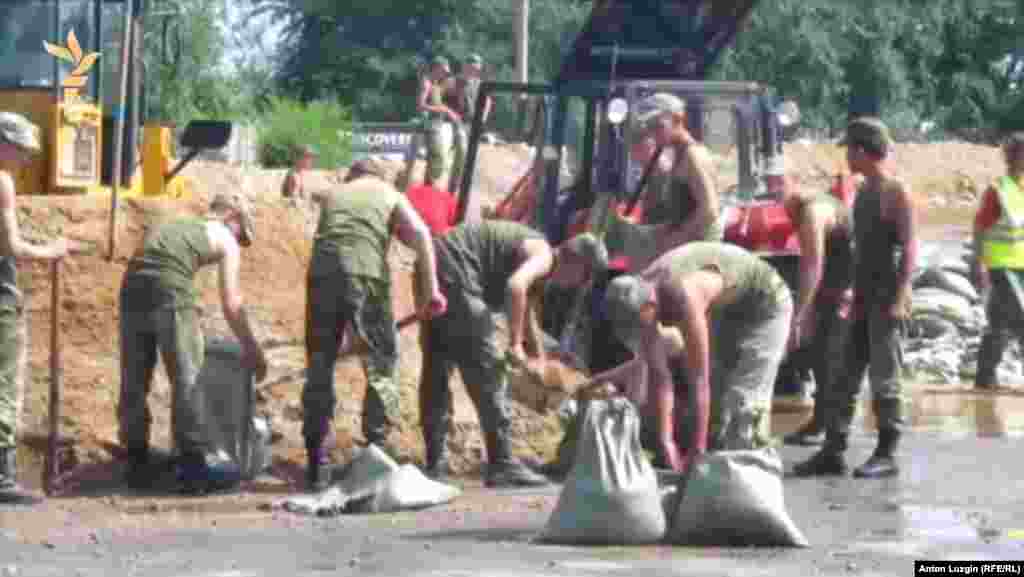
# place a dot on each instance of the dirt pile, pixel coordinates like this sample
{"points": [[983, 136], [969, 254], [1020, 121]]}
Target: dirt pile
{"points": [[947, 174]]}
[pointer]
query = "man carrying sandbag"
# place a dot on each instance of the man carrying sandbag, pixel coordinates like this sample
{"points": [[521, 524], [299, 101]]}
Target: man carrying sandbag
{"points": [[349, 291], [885, 255], [482, 266], [752, 309], [159, 312], [999, 260], [823, 300]]}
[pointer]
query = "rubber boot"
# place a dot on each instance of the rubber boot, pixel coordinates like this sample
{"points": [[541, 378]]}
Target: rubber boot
{"points": [[437, 455], [989, 355], [11, 493], [503, 470], [829, 461], [882, 462], [318, 469], [139, 473]]}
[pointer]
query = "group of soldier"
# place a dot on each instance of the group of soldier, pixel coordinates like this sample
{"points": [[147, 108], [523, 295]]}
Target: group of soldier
{"points": [[705, 324]]}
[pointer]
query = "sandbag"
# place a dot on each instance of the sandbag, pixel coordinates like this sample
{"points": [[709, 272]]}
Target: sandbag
{"points": [[226, 388], [734, 498], [949, 281], [947, 305], [611, 496], [374, 483]]}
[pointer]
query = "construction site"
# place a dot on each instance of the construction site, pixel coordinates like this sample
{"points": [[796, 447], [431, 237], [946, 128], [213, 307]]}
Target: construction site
{"points": [[955, 499]]}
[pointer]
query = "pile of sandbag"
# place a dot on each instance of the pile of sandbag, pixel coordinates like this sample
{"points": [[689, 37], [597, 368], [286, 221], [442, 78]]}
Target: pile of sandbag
{"points": [[947, 319], [612, 495], [373, 483]]}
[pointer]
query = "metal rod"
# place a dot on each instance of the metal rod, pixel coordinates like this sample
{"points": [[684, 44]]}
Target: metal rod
{"points": [[119, 119], [50, 467]]}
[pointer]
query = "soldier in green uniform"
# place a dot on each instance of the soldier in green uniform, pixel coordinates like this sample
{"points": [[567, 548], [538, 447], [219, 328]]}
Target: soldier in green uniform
{"points": [[349, 291], [824, 297], [19, 141], [159, 312], [750, 308], [463, 101], [485, 266], [885, 254], [437, 117]]}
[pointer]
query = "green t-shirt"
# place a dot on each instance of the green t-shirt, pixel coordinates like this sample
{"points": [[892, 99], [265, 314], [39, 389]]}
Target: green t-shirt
{"points": [[478, 258], [171, 255], [354, 231]]}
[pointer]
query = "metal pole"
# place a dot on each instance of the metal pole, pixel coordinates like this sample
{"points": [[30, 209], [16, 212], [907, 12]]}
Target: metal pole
{"points": [[522, 58], [119, 118], [50, 468]]}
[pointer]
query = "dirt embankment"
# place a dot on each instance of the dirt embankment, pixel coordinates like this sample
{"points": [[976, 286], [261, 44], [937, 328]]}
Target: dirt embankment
{"points": [[948, 175]]}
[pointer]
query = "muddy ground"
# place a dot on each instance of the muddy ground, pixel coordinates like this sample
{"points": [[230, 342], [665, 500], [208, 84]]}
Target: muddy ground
{"points": [[956, 495]]}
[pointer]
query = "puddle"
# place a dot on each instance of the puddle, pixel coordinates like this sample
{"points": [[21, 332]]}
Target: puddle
{"points": [[936, 410]]}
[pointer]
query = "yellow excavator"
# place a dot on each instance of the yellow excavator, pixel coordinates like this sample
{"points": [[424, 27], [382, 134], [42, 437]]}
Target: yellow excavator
{"points": [[60, 66]]}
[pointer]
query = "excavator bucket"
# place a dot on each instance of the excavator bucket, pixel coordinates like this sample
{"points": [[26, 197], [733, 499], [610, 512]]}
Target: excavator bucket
{"points": [[654, 39]]}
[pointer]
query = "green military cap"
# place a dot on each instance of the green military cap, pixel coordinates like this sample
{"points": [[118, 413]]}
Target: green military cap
{"points": [[869, 133], [239, 202], [475, 59], [657, 104], [625, 297], [589, 248], [440, 61]]}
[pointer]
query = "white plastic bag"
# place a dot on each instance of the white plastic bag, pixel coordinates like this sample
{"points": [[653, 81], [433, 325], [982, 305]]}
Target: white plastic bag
{"points": [[611, 496], [374, 483], [734, 498]]}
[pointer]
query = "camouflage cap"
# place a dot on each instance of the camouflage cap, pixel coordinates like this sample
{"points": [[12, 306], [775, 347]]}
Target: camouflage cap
{"points": [[369, 165], [868, 132], [475, 59], [237, 201], [19, 131], [589, 248], [624, 298], [440, 61], [657, 104]]}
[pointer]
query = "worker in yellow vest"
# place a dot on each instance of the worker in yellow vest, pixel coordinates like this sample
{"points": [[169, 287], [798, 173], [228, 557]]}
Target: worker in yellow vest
{"points": [[999, 260]]}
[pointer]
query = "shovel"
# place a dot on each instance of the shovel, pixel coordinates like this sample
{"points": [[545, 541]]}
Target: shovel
{"points": [[50, 466]]}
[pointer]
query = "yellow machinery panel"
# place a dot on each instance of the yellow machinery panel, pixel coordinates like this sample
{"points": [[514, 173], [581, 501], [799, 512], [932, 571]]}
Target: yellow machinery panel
{"points": [[76, 131], [38, 106], [157, 163]]}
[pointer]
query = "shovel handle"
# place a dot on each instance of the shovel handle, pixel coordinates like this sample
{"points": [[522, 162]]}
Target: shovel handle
{"points": [[56, 382]]}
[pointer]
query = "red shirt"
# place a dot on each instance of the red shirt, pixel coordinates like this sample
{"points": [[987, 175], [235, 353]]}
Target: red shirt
{"points": [[436, 207]]}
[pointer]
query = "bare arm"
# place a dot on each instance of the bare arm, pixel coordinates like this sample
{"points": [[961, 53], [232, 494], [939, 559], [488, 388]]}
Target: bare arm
{"points": [[623, 374], [423, 102], [705, 200], [538, 261], [812, 261], [534, 334], [16, 246], [696, 295], [664, 400], [906, 219], [413, 232], [230, 285], [487, 109]]}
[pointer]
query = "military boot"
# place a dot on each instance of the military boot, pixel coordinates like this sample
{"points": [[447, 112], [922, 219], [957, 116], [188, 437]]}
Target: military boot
{"points": [[318, 469], [829, 461], [812, 433], [882, 462], [140, 472], [199, 473], [437, 467], [504, 470], [11, 493]]}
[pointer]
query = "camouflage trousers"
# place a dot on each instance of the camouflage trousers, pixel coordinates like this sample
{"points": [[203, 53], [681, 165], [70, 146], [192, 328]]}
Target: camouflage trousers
{"points": [[13, 359], [873, 340], [439, 150], [460, 151], [745, 360], [1005, 322], [336, 302], [174, 331], [465, 337]]}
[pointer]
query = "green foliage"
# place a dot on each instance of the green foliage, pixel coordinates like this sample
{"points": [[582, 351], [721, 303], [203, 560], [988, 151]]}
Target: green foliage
{"points": [[288, 124]]}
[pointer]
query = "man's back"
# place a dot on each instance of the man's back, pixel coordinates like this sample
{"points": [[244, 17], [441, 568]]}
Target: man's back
{"points": [[479, 257], [172, 253], [355, 228]]}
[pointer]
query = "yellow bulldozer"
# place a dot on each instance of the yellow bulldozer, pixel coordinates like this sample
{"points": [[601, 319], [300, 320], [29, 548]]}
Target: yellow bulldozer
{"points": [[61, 65]]}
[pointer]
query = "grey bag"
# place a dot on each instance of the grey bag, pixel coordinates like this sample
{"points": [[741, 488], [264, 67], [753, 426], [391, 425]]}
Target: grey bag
{"points": [[226, 390], [734, 498], [611, 496]]}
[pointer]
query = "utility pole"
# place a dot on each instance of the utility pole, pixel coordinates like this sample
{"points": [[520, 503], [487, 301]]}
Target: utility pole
{"points": [[522, 57]]}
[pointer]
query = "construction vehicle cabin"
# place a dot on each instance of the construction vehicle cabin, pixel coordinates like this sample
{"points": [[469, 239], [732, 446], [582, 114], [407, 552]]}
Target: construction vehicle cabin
{"points": [[60, 66]]}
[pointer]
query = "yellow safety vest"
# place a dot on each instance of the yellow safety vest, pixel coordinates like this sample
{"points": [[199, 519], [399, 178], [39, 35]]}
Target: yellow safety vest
{"points": [[1003, 245]]}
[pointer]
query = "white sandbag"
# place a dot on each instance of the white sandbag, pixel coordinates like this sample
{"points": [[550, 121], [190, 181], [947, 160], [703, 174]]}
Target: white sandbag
{"points": [[329, 503], [374, 483], [611, 496], [942, 303], [949, 281], [734, 498]]}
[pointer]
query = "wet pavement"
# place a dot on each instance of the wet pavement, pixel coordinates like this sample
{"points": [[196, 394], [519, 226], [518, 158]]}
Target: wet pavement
{"points": [[959, 497]]}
